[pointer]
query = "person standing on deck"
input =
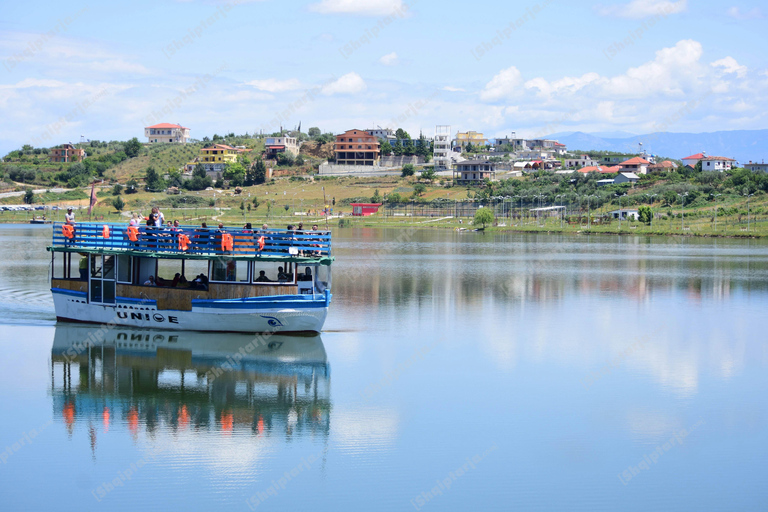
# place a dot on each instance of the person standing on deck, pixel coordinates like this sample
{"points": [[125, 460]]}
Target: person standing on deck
{"points": [[70, 217]]}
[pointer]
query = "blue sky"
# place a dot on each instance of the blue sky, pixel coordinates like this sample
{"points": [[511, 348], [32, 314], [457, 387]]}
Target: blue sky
{"points": [[105, 70]]}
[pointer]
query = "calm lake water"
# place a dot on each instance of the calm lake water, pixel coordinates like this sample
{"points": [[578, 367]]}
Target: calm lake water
{"points": [[456, 372]]}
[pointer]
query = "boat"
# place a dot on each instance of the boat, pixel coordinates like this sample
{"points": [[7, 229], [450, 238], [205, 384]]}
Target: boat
{"points": [[191, 278], [270, 385]]}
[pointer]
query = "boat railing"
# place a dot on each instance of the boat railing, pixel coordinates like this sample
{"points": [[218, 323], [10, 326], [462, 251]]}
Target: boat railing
{"points": [[193, 240]]}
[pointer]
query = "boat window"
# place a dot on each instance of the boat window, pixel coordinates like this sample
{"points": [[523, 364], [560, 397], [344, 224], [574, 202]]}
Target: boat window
{"points": [[229, 270], [124, 268], [193, 269], [274, 272], [166, 272], [323, 278], [67, 265]]}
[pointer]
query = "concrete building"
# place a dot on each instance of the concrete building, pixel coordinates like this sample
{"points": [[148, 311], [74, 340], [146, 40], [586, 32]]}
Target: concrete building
{"points": [[463, 138], [636, 165], [441, 153], [664, 166], [626, 177], [581, 161], [382, 133], [756, 167], [66, 153], [624, 214], [165, 132], [357, 147], [275, 145], [474, 171], [717, 163], [215, 158]]}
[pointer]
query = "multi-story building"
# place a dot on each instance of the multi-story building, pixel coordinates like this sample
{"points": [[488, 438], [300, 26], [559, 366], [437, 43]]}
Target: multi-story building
{"points": [[275, 145], [636, 165], [474, 171], [166, 132], [215, 158], [357, 147], [442, 148], [717, 163], [463, 138], [581, 161], [515, 143], [382, 133], [67, 153]]}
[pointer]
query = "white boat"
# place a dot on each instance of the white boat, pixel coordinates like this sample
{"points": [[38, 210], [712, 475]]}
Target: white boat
{"points": [[190, 278]]}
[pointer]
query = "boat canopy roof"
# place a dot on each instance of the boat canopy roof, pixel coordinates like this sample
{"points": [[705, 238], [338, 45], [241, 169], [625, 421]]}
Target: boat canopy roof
{"points": [[193, 242]]}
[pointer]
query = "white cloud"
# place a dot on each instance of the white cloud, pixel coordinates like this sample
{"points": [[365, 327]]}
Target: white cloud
{"points": [[351, 83], [673, 70], [450, 88], [390, 59], [729, 65], [566, 84], [359, 7], [638, 9], [753, 14], [274, 85], [503, 85]]}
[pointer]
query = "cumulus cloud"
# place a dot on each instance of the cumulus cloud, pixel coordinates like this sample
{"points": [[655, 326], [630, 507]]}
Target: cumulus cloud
{"points": [[274, 85], [451, 88], [359, 7], [638, 9], [729, 65], [351, 83], [504, 85], [390, 59], [564, 85], [753, 14]]}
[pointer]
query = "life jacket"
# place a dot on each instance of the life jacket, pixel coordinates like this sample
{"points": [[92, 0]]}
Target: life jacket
{"points": [[261, 243], [68, 230], [183, 242], [226, 242], [133, 233], [105, 231]]}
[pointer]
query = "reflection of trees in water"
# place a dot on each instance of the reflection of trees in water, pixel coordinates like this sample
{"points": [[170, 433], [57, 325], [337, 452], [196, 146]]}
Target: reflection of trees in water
{"points": [[517, 267]]}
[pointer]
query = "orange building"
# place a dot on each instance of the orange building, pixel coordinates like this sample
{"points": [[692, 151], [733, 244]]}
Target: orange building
{"points": [[357, 147], [67, 153]]}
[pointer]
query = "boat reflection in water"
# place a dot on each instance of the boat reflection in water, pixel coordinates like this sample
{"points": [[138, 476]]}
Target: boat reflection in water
{"points": [[202, 382]]}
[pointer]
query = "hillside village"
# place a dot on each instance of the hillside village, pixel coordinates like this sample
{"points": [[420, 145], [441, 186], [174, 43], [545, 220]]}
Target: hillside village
{"points": [[438, 170]]}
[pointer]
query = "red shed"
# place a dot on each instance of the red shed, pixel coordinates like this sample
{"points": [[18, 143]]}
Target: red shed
{"points": [[364, 209]]}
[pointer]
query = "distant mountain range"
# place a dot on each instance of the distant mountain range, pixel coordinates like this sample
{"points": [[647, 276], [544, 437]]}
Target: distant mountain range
{"points": [[742, 145]]}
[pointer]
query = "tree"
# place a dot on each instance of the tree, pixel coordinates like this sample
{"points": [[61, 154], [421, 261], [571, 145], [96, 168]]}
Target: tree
{"points": [[419, 189], [394, 198], [200, 179], [256, 203], [299, 160], [386, 147], [29, 196], [118, 203], [397, 148], [428, 175], [286, 207], [483, 216], [408, 170], [313, 132], [153, 181], [258, 172], [376, 198], [644, 214], [469, 148], [235, 174], [698, 167], [117, 189], [132, 148], [401, 134], [409, 149]]}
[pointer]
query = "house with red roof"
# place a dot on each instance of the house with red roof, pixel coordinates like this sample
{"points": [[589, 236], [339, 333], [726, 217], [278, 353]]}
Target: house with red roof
{"points": [[717, 163], [694, 159], [166, 132], [664, 166], [636, 165]]}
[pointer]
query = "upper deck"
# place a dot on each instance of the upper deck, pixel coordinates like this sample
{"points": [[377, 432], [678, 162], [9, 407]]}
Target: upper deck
{"points": [[194, 242]]}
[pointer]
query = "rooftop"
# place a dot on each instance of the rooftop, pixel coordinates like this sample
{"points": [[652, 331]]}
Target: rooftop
{"points": [[697, 156], [636, 161], [168, 125]]}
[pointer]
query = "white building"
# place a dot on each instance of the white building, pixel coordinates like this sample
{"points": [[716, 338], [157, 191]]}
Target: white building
{"points": [[383, 133], [626, 177], [275, 145], [717, 163], [763, 167], [166, 132], [474, 171], [581, 161], [694, 159], [624, 214], [636, 165], [442, 148]]}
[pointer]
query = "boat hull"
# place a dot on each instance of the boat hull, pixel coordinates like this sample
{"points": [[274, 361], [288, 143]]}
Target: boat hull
{"points": [[285, 316]]}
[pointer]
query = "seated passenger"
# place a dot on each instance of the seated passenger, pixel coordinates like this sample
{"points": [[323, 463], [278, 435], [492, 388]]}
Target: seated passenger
{"points": [[263, 277], [307, 275], [150, 281], [281, 275]]}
